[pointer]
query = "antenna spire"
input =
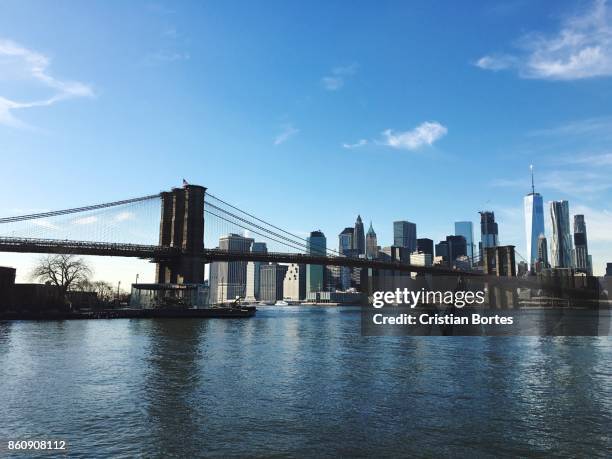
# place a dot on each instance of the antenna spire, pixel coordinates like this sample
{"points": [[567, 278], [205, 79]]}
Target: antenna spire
{"points": [[532, 185]]}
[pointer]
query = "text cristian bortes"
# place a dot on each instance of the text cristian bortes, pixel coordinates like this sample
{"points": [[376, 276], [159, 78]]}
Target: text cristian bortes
{"points": [[413, 298]]}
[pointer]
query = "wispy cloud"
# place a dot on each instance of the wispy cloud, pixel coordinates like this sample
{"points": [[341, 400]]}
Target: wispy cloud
{"points": [[584, 128], [425, 134], [20, 63], [336, 79], [359, 143], [164, 57], [287, 132], [581, 183], [86, 220], [581, 48], [124, 216]]}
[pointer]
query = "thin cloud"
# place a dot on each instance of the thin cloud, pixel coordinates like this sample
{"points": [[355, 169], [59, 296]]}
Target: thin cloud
{"points": [[86, 220], [287, 132], [581, 48], [21, 63], [124, 216], [425, 134], [336, 79], [359, 143]]}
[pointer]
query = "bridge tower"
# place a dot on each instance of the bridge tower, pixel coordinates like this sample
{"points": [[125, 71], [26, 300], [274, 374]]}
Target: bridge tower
{"points": [[182, 226]]}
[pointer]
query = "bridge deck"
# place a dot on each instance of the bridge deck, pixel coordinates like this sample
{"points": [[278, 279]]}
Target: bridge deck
{"points": [[155, 252]]}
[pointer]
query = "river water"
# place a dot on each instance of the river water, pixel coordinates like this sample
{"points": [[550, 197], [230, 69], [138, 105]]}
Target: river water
{"points": [[299, 381]]}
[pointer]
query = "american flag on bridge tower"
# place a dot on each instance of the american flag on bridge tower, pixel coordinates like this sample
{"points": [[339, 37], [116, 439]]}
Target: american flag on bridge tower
{"points": [[185, 183]]}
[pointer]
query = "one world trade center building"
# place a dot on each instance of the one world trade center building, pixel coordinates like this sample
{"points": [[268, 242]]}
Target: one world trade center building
{"points": [[534, 222]]}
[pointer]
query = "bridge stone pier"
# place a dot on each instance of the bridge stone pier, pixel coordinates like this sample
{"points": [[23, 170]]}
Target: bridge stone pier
{"points": [[182, 227]]}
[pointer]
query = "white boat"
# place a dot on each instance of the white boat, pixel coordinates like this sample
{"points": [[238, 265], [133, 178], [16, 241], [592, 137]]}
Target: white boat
{"points": [[281, 303]]}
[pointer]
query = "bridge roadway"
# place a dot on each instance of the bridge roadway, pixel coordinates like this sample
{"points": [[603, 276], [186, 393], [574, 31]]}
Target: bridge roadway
{"points": [[156, 253]]}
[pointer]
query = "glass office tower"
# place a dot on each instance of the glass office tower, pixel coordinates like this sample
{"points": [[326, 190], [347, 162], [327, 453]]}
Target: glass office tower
{"points": [[534, 222], [466, 229], [317, 245], [405, 235], [561, 248]]}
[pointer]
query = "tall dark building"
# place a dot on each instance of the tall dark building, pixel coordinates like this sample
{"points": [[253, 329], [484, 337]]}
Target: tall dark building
{"points": [[425, 245], [442, 251], [580, 245], [488, 230], [405, 235], [543, 251], [359, 237], [457, 247], [315, 274], [608, 269]]}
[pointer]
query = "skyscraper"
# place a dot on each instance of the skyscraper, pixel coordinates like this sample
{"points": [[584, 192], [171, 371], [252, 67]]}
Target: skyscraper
{"points": [[405, 235], [228, 279], [466, 229], [253, 272], [457, 247], [371, 243], [425, 245], [316, 245], [488, 230], [534, 222], [561, 247], [580, 245], [359, 237], [442, 251], [294, 284], [543, 251], [272, 278], [345, 241]]}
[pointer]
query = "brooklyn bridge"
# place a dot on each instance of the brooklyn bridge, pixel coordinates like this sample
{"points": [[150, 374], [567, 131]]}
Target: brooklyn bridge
{"points": [[189, 219]]}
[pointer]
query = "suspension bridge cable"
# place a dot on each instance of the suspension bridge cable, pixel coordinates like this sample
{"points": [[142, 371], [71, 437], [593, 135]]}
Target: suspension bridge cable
{"points": [[263, 221], [252, 230], [76, 209], [305, 246]]}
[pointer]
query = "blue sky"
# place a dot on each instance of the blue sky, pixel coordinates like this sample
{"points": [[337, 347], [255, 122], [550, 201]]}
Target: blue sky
{"points": [[427, 111]]}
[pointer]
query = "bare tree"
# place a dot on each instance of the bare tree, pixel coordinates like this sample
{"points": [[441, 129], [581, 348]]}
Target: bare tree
{"points": [[104, 290], [64, 271]]}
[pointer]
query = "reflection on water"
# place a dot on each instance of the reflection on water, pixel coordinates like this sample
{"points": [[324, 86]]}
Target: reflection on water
{"points": [[299, 381]]}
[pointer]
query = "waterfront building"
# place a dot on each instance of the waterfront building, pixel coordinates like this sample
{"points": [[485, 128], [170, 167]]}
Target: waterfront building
{"points": [[272, 279], [466, 229], [489, 234], [371, 244], [294, 284], [315, 274], [580, 245], [253, 274], [561, 246], [425, 245], [359, 237], [228, 279], [608, 269], [405, 235], [534, 222]]}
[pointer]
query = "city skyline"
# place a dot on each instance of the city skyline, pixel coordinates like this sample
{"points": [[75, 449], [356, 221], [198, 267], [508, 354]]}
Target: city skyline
{"points": [[247, 104]]}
